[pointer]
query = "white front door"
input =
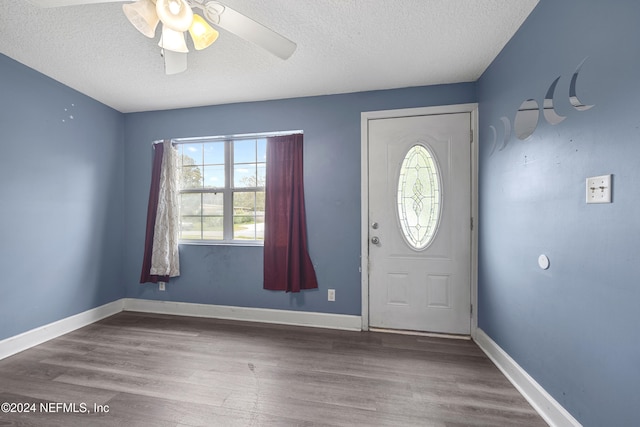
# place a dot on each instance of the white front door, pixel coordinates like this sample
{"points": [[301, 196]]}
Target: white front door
{"points": [[419, 192]]}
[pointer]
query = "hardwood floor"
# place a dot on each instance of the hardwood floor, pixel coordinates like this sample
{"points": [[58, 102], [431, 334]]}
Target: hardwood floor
{"points": [[140, 369]]}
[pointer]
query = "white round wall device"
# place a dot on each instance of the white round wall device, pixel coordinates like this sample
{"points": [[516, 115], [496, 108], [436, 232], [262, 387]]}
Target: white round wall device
{"points": [[543, 262]]}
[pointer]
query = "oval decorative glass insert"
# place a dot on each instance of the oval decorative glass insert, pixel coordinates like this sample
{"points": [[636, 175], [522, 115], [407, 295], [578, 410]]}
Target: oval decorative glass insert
{"points": [[419, 197]]}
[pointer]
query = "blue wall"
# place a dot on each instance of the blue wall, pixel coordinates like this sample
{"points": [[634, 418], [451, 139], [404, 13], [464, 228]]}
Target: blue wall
{"points": [[227, 275], [573, 327], [76, 176], [61, 201], [74, 196]]}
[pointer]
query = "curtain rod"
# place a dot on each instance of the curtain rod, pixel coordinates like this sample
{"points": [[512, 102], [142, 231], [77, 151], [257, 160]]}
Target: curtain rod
{"points": [[177, 141]]}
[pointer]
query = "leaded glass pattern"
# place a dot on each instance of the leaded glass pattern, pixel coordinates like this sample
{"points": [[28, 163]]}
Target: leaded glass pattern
{"points": [[419, 197]]}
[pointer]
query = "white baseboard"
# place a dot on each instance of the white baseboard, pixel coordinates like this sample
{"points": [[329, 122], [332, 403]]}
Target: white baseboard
{"points": [[263, 315], [552, 412], [548, 408], [25, 340]]}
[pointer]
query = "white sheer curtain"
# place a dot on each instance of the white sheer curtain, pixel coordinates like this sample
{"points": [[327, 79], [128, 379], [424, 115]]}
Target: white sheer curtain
{"points": [[164, 258]]}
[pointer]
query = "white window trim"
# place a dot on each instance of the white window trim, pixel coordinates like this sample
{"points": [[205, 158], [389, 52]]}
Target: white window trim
{"points": [[228, 190]]}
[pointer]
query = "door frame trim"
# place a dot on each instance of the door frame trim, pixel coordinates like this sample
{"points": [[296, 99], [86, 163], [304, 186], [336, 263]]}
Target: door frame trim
{"points": [[471, 108]]}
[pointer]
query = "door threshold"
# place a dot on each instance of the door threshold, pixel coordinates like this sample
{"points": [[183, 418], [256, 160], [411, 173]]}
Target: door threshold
{"points": [[420, 333]]}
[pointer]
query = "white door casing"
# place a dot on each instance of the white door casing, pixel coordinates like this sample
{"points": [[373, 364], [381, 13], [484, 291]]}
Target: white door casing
{"points": [[428, 289]]}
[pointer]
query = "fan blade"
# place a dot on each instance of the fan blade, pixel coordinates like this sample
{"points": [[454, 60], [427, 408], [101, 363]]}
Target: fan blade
{"points": [[60, 3], [220, 15], [174, 62], [250, 30]]}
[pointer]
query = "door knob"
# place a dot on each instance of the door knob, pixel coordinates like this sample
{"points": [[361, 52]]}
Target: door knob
{"points": [[375, 240]]}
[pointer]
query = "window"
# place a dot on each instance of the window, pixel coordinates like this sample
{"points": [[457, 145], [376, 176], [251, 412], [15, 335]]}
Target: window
{"points": [[419, 197], [222, 189]]}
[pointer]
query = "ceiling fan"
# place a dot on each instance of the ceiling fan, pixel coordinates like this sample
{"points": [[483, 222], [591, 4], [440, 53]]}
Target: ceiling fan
{"points": [[178, 17]]}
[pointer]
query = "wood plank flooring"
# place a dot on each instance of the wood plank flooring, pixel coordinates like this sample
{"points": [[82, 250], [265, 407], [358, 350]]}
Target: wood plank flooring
{"points": [[140, 369]]}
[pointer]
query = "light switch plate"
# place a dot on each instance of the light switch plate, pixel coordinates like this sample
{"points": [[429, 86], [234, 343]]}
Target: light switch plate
{"points": [[599, 189]]}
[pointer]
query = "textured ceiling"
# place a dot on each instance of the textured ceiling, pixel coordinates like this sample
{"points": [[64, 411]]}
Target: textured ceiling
{"points": [[343, 46]]}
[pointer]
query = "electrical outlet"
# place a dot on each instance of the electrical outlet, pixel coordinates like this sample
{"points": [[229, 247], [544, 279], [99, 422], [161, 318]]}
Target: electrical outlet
{"points": [[599, 189], [161, 286], [331, 295]]}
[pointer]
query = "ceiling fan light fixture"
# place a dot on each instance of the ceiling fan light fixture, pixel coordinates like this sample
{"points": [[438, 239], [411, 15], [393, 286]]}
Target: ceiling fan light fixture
{"points": [[175, 14], [142, 15], [202, 34], [173, 40]]}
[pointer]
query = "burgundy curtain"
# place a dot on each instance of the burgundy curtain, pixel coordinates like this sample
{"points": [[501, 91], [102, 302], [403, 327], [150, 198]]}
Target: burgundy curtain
{"points": [[287, 265], [152, 210]]}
